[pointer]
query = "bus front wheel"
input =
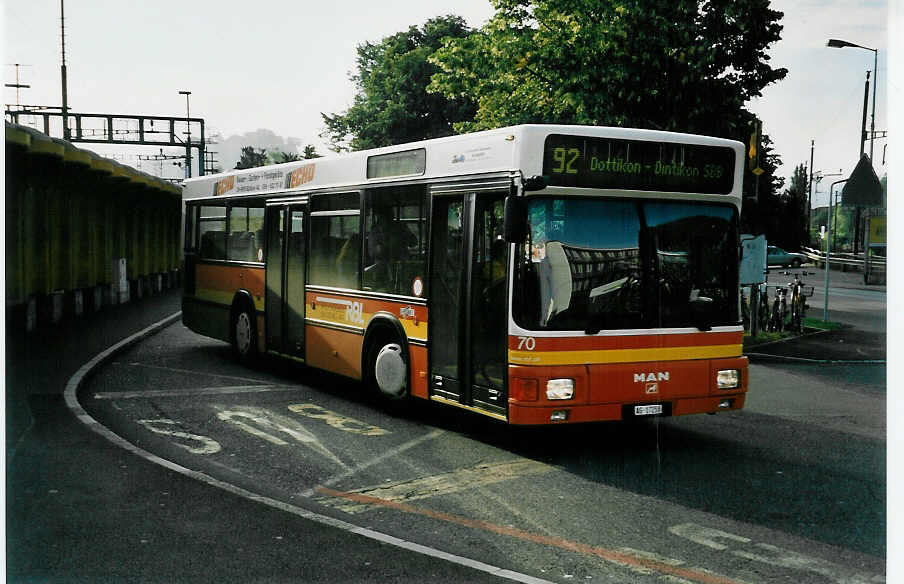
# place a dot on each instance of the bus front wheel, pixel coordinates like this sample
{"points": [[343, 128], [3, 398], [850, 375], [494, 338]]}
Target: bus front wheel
{"points": [[244, 335]]}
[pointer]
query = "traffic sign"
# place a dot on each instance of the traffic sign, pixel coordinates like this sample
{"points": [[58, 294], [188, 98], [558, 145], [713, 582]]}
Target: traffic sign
{"points": [[863, 188]]}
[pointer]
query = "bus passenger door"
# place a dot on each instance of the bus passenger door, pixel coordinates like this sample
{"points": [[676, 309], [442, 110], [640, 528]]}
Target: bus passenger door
{"points": [[286, 263], [447, 288], [468, 301]]}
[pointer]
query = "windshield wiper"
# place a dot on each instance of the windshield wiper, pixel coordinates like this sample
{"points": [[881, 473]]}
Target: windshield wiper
{"points": [[596, 324], [701, 306]]}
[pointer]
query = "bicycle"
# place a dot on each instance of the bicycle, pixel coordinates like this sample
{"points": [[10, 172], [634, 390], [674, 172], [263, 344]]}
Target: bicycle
{"points": [[779, 310], [799, 294], [763, 312]]}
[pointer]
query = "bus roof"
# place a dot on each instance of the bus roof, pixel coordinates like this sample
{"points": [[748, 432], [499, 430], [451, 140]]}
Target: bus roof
{"points": [[510, 149]]}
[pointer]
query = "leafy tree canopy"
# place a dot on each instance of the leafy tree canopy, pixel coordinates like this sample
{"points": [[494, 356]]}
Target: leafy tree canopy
{"points": [[761, 211], [281, 157], [392, 105], [681, 65], [252, 158], [791, 232]]}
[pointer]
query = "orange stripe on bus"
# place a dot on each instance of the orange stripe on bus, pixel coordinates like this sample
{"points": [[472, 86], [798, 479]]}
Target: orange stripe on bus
{"points": [[351, 310], [228, 279]]}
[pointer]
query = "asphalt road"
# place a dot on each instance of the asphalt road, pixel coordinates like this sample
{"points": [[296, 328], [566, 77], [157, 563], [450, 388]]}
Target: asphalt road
{"points": [[791, 489]]}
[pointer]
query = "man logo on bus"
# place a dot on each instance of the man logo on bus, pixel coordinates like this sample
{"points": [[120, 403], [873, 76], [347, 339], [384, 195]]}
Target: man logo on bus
{"points": [[645, 377]]}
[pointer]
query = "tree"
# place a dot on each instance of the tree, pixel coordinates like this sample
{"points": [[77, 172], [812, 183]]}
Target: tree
{"points": [[310, 152], [252, 157], [761, 207], [793, 229], [282, 157], [392, 105], [682, 65]]}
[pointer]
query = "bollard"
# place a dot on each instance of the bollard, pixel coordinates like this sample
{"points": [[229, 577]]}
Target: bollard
{"points": [[56, 306], [78, 301], [98, 297], [31, 314], [120, 286]]}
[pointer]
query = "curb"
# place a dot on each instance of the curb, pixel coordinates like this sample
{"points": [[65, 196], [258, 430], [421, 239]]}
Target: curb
{"points": [[785, 340], [71, 398], [75, 381], [767, 358], [771, 358]]}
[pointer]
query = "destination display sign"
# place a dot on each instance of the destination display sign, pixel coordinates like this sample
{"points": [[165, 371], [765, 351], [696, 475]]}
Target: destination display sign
{"points": [[612, 163], [397, 163]]}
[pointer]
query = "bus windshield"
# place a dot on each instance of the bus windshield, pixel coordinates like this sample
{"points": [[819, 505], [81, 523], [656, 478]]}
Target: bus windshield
{"points": [[605, 264]]}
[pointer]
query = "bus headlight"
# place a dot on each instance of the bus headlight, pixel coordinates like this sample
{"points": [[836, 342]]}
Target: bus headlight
{"points": [[728, 378], [560, 389]]}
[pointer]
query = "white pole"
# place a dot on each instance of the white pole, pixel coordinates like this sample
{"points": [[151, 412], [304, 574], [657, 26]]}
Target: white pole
{"points": [[825, 308]]}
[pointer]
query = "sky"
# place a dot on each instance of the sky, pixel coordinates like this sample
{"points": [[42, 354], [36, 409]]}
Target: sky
{"points": [[277, 65]]}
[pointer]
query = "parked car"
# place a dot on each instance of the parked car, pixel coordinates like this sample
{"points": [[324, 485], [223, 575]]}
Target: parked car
{"points": [[776, 256]]}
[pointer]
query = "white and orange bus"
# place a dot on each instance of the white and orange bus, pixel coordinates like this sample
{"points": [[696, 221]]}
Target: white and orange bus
{"points": [[535, 274]]}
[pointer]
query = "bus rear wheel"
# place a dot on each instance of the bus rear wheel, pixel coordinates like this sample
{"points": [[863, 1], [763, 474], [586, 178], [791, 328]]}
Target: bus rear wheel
{"points": [[244, 335]]}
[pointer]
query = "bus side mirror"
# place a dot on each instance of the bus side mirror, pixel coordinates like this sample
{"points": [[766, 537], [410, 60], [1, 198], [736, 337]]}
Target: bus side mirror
{"points": [[515, 222]]}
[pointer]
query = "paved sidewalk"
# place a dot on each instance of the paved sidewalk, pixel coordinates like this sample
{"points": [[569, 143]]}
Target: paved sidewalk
{"points": [[80, 509]]}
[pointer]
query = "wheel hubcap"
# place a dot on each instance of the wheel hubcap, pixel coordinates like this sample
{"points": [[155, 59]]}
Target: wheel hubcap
{"points": [[243, 333], [389, 371]]}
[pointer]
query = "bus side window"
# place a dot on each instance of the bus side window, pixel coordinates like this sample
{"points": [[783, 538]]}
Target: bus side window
{"points": [[395, 229], [212, 231], [245, 228], [191, 222], [335, 240]]}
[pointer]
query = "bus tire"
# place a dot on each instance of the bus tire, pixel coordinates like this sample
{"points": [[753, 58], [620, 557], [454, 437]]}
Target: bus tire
{"points": [[387, 369], [243, 333]]}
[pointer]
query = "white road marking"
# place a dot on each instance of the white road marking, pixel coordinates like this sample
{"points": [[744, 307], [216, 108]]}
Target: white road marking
{"points": [[260, 422], [656, 558], [391, 453], [152, 393], [771, 555], [706, 535], [441, 484], [194, 372], [209, 445]]}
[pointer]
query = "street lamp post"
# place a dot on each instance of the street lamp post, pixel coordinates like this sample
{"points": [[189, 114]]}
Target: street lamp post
{"points": [[188, 135], [839, 44]]}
